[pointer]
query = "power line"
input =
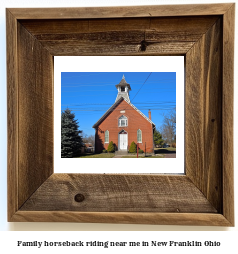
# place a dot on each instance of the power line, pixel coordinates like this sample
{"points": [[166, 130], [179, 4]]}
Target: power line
{"points": [[110, 94], [140, 106], [97, 110], [80, 91], [113, 83], [162, 102], [131, 82]]}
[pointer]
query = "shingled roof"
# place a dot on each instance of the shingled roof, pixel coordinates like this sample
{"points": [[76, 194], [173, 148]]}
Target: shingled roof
{"points": [[123, 83]]}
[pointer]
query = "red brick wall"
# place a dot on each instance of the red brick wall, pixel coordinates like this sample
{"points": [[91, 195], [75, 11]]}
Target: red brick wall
{"points": [[135, 121]]}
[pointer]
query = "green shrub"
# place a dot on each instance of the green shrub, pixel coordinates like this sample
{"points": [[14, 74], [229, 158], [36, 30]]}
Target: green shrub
{"points": [[111, 148], [140, 151], [133, 148], [104, 151]]}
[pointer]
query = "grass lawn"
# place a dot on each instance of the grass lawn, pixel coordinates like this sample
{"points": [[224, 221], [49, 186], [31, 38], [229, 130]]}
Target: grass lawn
{"points": [[159, 151], [101, 155]]}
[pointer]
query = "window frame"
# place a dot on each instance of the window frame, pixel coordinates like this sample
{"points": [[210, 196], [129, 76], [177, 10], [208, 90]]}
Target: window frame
{"points": [[106, 137], [139, 130], [124, 119]]}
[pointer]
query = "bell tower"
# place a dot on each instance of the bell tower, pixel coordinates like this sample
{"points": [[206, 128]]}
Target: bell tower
{"points": [[123, 89]]}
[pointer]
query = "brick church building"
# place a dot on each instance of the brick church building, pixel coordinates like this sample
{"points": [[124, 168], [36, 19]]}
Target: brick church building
{"points": [[123, 123]]}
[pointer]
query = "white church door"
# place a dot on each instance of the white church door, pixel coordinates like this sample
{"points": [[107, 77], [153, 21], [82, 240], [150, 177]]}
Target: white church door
{"points": [[122, 140]]}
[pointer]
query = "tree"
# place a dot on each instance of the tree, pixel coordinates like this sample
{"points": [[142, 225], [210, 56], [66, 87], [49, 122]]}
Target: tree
{"points": [[71, 141], [133, 148], [111, 148], [158, 138], [168, 129], [88, 139]]}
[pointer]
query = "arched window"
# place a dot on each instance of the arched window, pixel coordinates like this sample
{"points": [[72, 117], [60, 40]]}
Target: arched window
{"points": [[122, 121], [106, 136], [139, 136]]}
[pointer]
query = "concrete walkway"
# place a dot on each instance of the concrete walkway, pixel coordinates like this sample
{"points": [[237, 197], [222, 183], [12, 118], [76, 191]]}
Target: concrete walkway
{"points": [[120, 154]]}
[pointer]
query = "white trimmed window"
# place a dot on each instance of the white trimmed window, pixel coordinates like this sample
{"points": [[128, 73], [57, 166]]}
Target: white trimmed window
{"points": [[122, 121], [139, 136], [106, 136]]}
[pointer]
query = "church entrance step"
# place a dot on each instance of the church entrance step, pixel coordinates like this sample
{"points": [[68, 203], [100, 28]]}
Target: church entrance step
{"points": [[121, 152]]}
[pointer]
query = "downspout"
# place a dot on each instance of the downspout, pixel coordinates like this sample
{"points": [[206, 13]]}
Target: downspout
{"points": [[95, 141], [153, 130]]}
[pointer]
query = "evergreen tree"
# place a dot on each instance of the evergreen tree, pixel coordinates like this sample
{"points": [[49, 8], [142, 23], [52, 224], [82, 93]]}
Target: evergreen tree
{"points": [[158, 138], [111, 148], [71, 141], [133, 148]]}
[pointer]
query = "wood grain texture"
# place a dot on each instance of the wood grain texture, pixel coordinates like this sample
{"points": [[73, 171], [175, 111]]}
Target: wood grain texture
{"points": [[12, 116], [49, 29], [227, 113], [35, 114], [140, 193], [73, 48], [197, 219], [120, 12], [174, 36], [203, 117]]}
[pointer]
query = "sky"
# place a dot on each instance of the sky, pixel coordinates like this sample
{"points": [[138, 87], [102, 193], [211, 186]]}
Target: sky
{"points": [[90, 94]]}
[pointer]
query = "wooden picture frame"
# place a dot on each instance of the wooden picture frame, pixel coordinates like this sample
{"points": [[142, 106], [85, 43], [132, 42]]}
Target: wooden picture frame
{"points": [[204, 34]]}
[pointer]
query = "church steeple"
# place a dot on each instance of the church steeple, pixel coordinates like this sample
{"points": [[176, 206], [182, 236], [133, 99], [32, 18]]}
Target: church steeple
{"points": [[123, 89]]}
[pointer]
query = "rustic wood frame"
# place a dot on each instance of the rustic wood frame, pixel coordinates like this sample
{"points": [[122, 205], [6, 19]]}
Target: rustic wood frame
{"points": [[204, 34]]}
